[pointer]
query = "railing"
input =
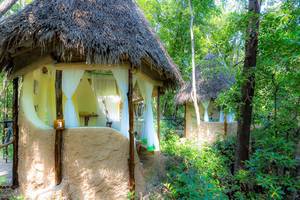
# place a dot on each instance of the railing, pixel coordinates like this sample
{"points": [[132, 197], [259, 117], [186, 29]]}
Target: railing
{"points": [[7, 137], [7, 144]]}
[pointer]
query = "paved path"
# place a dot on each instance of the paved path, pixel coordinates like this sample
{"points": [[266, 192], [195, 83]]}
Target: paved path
{"points": [[5, 172]]}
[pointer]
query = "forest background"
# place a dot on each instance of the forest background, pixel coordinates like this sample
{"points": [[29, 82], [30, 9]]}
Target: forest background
{"points": [[220, 28]]}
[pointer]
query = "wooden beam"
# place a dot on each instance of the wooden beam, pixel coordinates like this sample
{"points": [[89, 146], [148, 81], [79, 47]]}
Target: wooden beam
{"points": [[84, 66], [158, 113], [58, 133], [15, 181], [131, 133]]}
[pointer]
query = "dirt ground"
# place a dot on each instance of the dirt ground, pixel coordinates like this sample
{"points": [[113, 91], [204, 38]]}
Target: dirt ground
{"points": [[6, 179], [5, 172]]}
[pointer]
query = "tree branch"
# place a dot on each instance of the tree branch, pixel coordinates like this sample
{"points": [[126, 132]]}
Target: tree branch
{"points": [[5, 6]]}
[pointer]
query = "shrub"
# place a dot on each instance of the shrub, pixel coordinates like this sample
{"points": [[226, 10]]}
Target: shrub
{"points": [[193, 174], [208, 173]]}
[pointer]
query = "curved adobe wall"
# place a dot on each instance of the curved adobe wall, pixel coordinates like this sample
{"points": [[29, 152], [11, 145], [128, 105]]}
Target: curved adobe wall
{"points": [[96, 164], [209, 131], [95, 160]]}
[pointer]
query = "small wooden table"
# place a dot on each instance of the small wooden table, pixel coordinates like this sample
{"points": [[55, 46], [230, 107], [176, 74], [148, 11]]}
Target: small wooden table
{"points": [[87, 117]]}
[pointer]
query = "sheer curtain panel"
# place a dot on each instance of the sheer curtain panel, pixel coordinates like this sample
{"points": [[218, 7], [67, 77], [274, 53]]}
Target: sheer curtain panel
{"points": [[121, 76], [149, 135], [70, 81], [205, 105]]}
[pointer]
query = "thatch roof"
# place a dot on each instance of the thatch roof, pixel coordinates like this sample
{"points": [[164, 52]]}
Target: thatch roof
{"points": [[96, 31], [212, 77]]}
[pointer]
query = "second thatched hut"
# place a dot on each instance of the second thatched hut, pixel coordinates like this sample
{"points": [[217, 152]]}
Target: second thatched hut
{"points": [[212, 78]]}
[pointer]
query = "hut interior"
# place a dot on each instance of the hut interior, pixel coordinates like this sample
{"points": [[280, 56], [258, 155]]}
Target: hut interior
{"points": [[92, 98]]}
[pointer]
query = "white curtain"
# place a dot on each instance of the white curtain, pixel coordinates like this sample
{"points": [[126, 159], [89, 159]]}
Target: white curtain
{"points": [[105, 90], [70, 81], [148, 134], [121, 76], [221, 119], [141, 85], [205, 105], [230, 117]]}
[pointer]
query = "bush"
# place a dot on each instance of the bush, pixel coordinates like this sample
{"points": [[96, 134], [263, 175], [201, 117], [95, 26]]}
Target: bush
{"points": [[193, 174], [208, 173], [270, 168]]}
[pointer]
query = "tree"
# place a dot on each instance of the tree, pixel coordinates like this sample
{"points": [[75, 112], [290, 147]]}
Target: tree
{"points": [[5, 6], [194, 90], [248, 85]]}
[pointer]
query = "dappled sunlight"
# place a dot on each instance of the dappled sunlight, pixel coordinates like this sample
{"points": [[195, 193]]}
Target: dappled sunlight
{"points": [[95, 163], [36, 157]]}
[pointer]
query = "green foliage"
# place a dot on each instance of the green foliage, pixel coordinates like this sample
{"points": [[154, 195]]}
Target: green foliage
{"points": [[171, 21], [207, 173], [3, 180], [269, 172], [193, 174]]}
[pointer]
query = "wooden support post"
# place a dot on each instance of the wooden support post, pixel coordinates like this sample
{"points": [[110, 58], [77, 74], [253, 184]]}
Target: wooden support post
{"points": [[5, 117], [131, 134], [15, 181], [158, 114], [58, 133]]}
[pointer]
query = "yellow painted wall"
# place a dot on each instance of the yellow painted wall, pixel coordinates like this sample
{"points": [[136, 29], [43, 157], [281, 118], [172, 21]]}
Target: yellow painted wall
{"points": [[86, 100], [44, 96]]}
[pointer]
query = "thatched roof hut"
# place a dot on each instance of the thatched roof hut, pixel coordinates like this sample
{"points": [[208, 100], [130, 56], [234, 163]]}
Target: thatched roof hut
{"points": [[80, 61], [212, 77], [91, 31]]}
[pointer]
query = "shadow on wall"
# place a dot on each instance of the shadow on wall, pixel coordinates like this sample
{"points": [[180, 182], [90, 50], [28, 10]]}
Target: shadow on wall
{"points": [[36, 159], [96, 164], [36, 145]]}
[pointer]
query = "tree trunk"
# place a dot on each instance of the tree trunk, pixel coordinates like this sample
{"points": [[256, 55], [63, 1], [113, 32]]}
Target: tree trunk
{"points": [[247, 88], [194, 90], [5, 6]]}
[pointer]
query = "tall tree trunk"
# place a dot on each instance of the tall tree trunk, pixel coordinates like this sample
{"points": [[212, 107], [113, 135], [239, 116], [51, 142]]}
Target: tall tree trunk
{"points": [[247, 89], [194, 90], [5, 6]]}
